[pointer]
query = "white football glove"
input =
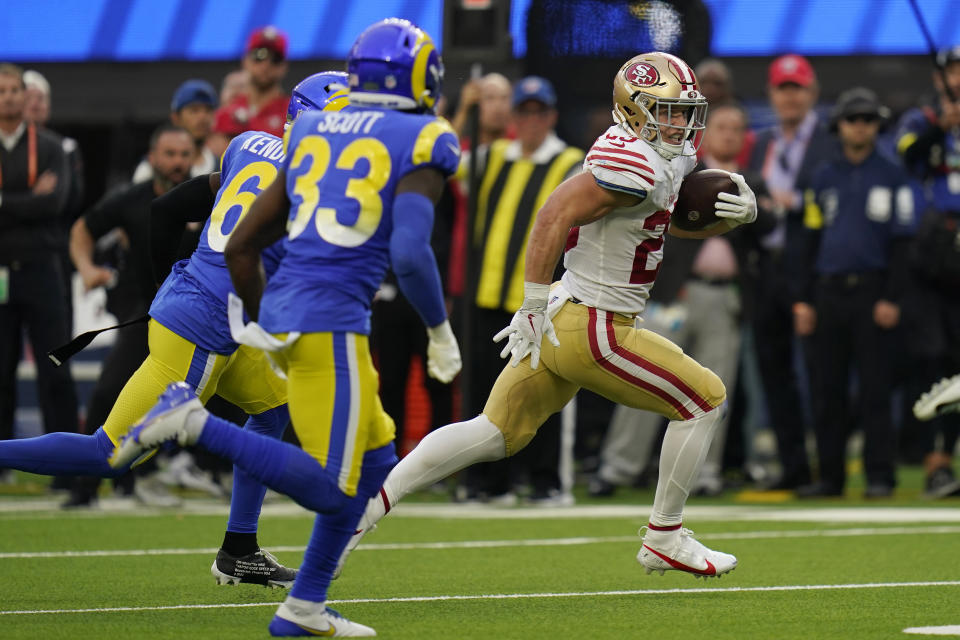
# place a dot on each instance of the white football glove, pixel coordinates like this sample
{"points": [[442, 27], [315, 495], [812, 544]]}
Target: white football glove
{"points": [[741, 208], [443, 353], [529, 326]]}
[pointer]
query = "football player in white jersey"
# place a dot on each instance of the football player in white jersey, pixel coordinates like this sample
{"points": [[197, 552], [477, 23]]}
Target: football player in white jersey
{"points": [[609, 221]]}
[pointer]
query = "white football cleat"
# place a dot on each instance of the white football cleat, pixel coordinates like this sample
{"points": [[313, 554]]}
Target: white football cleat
{"points": [[296, 617], [167, 420], [943, 397], [684, 553]]}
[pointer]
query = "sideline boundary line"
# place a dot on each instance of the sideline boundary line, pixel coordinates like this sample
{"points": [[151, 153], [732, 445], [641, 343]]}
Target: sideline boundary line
{"points": [[489, 544]]}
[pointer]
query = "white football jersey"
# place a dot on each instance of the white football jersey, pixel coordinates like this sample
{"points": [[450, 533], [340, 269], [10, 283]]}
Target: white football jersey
{"points": [[612, 262]]}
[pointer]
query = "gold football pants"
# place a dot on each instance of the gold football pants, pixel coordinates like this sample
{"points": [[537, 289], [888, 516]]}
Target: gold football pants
{"points": [[243, 378], [603, 352]]}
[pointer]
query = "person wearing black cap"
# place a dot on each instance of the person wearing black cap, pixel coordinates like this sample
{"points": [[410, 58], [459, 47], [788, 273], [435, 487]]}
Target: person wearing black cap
{"points": [[928, 140], [858, 220], [192, 108]]}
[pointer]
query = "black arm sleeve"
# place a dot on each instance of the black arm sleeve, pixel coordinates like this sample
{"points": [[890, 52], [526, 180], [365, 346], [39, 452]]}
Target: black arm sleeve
{"points": [[190, 201]]}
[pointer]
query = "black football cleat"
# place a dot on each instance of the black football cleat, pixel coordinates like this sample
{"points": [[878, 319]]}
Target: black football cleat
{"points": [[259, 567]]}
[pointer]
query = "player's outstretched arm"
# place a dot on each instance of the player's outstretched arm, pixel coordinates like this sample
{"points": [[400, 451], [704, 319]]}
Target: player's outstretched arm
{"points": [[577, 201], [190, 201], [415, 266], [264, 224]]}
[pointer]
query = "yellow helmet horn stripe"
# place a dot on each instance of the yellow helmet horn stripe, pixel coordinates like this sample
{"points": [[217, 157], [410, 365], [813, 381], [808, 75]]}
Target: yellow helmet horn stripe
{"points": [[338, 101], [418, 79]]}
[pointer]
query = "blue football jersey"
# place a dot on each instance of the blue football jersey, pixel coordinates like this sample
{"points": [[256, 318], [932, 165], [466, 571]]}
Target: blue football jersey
{"points": [[342, 171], [192, 301]]}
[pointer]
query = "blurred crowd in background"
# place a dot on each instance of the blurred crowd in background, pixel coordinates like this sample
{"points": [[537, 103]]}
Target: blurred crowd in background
{"points": [[825, 319]]}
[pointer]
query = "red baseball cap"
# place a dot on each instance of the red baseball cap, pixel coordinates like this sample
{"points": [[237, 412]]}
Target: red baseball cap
{"points": [[791, 68], [269, 38]]}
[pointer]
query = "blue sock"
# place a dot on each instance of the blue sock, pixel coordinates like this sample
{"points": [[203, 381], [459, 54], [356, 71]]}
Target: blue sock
{"points": [[332, 532], [279, 465], [61, 453], [248, 493]]}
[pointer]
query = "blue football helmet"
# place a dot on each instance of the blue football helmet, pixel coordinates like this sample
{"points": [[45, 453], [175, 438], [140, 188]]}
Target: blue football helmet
{"points": [[324, 91], [394, 64]]}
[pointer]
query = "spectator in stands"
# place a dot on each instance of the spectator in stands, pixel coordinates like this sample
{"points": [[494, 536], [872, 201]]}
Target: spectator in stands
{"points": [[517, 175], [34, 185], [786, 155], [492, 93], [858, 220], [716, 83], [263, 106], [191, 108], [234, 83], [130, 282], [928, 139], [37, 110]]}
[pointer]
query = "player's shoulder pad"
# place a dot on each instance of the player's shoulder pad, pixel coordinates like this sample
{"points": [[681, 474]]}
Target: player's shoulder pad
{"points": [[622, 162], [436, 145]]}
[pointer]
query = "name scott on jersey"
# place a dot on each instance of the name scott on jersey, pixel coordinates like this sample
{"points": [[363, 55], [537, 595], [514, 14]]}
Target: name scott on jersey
{"points": [[340, 122]]}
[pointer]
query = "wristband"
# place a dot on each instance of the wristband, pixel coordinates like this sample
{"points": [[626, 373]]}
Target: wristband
{"points": [[536, 292], [441, 333]]}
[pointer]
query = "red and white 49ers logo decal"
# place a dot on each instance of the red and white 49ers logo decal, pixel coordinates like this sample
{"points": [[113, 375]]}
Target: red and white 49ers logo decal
{"points": [[642, 74]]}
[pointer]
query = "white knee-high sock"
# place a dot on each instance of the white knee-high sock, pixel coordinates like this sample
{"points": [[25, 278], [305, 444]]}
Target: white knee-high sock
{"points": [[442, 453], [684, 448]]}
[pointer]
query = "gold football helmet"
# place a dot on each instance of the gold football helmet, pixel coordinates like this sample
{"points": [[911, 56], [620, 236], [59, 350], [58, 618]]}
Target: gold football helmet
{"points": [[650, 93]]}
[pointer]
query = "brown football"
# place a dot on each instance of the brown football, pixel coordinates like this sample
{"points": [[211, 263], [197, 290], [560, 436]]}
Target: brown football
{"points": [[697, 198]]}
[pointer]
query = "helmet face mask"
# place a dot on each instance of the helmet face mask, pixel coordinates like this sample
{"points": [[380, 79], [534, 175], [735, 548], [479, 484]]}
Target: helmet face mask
{"points": [[656, 97]]}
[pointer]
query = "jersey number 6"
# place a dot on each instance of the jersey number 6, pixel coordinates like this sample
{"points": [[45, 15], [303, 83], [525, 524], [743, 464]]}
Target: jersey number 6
{"points": [[232, 196]]}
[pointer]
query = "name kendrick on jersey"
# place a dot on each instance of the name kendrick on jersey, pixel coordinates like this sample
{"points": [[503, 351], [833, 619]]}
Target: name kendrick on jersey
{"points": [[265, 145]]}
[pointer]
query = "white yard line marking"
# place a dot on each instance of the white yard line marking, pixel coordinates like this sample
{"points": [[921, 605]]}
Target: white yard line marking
{"points": [[515, 596], [945, 630], [489, 544]]}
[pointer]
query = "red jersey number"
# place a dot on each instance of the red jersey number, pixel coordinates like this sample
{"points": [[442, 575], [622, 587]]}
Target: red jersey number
{"points": [[659, 221], [618, 141]]}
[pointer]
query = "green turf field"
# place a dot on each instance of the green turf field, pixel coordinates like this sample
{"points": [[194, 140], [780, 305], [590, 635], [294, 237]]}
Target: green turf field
{"points": [[828, 569]]}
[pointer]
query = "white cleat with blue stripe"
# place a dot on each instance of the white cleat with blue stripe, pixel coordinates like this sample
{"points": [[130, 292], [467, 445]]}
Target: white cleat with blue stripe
{"points": [[296, 618], [166, 421]]}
